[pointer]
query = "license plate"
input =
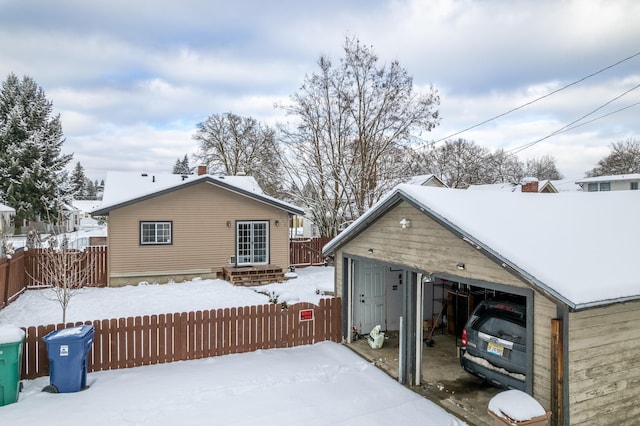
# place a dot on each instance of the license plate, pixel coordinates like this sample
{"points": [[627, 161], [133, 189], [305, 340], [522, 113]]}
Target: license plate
{"points": [[494, 349]]}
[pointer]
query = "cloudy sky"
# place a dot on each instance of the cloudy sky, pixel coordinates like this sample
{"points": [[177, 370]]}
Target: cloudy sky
{"points": [[131, 79]]}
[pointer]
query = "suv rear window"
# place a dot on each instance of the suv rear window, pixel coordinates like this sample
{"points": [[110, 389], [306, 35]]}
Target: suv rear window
{"points": [[503, 328]]}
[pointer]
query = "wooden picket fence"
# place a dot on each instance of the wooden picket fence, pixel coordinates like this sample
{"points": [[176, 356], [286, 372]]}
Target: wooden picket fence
{"points": [[93, 263], [307, 251], [156, 339], [12, 277], [25, 268]]}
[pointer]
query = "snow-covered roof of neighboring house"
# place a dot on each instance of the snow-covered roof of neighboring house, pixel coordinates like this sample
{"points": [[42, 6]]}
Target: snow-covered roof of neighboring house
{"points": [[86, 206], [6, 209], [543, 186], [566, 185], [124, 188], [426, 180], [582, 251], [610, 178], [503, 186]]}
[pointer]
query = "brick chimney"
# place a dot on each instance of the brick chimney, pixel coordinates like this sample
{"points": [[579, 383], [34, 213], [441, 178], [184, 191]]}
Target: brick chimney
{"points": [[531, 186], [202, 170]]}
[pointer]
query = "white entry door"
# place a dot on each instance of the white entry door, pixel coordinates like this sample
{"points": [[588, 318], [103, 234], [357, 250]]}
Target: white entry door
{"points": [[369, 297]]}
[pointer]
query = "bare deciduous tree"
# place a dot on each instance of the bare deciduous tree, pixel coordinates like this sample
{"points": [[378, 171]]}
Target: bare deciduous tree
{"points": [[352, 123], [624, 159], [543, 168], [233, 145], [63, 270]]}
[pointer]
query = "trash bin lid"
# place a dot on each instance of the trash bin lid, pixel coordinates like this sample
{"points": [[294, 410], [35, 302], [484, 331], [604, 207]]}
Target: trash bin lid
{"points": [[71, 333], [10, 334]]}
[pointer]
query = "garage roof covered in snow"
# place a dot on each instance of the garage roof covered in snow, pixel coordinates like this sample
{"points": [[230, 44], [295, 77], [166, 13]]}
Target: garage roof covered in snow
{"points": [[581, 248]]}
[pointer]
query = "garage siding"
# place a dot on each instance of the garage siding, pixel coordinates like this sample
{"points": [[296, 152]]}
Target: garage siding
{"points": [[428, 246], [425, 246], [544, 311], [201, 239], [604, 366]]}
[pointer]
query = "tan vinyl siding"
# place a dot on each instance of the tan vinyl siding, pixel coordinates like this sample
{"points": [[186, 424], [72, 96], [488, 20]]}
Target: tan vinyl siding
{"points": [[201, 239], [604, 367], [425, 246]]}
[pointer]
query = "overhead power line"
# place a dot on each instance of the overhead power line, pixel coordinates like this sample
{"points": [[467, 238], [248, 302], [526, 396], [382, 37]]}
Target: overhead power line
{"points": [[539, 98], [566, 127]]}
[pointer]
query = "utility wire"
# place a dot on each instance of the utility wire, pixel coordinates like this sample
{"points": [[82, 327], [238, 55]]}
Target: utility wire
{"points": [[599, 117], [538, 99], [566, 127]]}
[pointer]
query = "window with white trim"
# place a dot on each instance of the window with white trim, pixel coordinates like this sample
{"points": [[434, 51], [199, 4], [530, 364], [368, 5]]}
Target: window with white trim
{"points": [[155, 233], [252, 242]]}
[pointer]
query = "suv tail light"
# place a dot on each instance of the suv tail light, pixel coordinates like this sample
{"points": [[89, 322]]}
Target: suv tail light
{"points": [[464, 337]]}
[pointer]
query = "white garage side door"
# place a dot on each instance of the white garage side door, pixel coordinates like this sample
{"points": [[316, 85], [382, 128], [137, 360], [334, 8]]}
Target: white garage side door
{"points": [[370, 296]]}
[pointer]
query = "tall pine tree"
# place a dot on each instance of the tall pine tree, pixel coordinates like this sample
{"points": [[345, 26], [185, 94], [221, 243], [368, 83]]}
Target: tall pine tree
{"points": [[182, 167], [79, 182], [32, 168]]}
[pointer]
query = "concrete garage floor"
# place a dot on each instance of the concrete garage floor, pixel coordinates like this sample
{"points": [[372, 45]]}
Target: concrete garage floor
{"points": [[443, 380]]}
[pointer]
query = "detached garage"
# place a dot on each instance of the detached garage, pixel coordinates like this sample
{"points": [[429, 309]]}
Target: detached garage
{"points": [[422, 254]]}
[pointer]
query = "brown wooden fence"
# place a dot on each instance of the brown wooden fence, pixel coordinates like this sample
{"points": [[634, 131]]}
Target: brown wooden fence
{"points": [[157, 339], [307, 251], [12, 277], [94, 263], [25, 269]]}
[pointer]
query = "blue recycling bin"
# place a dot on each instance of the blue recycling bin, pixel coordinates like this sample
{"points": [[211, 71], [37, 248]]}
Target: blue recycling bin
{"points": [[68, 352]]}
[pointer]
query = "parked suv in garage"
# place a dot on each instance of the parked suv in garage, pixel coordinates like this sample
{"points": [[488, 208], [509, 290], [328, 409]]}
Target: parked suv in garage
{"points": [[494, 343]]}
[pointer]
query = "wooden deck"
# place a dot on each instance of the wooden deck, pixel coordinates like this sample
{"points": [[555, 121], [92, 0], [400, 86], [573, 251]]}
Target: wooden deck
{"points": [[253, 275]]}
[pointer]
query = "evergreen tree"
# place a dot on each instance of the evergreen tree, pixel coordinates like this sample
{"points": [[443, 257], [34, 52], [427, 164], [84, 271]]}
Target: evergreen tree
{"points": [[78, 182], [33, 179], [90, 190], [182, 167]]}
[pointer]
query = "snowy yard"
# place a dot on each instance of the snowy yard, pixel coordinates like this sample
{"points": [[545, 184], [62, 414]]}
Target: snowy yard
{"points": [[317, 384]]}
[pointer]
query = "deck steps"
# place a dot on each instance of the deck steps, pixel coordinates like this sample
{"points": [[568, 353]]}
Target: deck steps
{"points": [[253, 275]]}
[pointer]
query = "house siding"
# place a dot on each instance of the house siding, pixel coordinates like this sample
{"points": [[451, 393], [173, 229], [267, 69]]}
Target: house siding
{"points": [[604, 367], [202, 243], [428, 246]]}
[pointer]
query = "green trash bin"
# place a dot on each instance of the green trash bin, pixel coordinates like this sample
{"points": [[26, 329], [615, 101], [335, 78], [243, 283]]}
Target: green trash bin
{"points": [[11, 339]]}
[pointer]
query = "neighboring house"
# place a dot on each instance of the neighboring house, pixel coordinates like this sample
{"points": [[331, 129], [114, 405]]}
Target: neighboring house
{"points": [[169, 227], [427, 180], [610, 183], [566, 185], [579, 281], [532, 185], [6, 219], [85, 207]]}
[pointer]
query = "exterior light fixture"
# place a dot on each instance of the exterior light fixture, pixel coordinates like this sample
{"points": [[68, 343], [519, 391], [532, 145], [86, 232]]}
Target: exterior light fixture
{"points": [[370, 251], [460, 266], [277, 222], [228, 224], [405, 223]]}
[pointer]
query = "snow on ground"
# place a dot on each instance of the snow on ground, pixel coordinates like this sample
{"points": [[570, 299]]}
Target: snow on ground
{"points": [[319, 384], [40, 307]]}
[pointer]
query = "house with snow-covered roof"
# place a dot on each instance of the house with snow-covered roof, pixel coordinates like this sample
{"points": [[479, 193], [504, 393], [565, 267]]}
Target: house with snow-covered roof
{"points": [[6, 219], [164, 227], [427, 180], [424, 253], [610, 183], [527, 185]]}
